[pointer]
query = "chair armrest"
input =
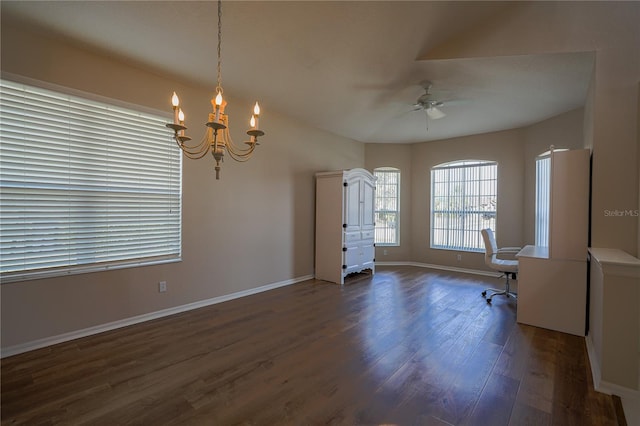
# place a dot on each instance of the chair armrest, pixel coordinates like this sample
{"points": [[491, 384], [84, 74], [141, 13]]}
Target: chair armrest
{"points": [[508, 252], [509, 249]]}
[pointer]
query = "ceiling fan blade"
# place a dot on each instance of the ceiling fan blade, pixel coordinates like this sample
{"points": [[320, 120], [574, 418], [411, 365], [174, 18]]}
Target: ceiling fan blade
{"points": [[434, 113]]}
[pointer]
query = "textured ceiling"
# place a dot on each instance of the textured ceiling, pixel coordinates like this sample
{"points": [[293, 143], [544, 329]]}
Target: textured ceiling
{"points": [[350, 67]]}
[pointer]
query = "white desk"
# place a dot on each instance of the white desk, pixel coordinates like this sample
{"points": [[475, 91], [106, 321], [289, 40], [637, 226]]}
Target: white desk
{"points": [[552, 293]]}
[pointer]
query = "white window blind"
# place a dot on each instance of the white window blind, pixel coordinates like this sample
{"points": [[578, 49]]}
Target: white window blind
{"points": [[84, 185], [543, 193], [387, 206], [464, 197]]}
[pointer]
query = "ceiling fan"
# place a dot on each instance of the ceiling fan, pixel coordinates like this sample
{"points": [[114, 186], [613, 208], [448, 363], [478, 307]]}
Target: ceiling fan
{"points": [[428, 103]]}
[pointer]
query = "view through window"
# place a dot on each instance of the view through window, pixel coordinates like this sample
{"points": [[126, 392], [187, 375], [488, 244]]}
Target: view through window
{"points": [[387, 207], [464, 197]]}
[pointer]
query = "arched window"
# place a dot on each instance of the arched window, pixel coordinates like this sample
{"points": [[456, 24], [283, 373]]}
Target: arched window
{"points": [[387, 206], [464, 198]]}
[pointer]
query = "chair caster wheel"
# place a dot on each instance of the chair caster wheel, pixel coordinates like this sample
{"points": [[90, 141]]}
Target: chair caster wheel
{"points": [[484, 293], [489, 301]]}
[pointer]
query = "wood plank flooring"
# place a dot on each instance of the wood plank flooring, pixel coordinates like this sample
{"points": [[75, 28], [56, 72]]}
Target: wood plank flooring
{"points": [[409, 346]]}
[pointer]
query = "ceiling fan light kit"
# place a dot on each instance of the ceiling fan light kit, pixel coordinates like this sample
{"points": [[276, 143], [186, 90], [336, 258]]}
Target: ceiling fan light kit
{"points": [[429, 104], [434, 113]]}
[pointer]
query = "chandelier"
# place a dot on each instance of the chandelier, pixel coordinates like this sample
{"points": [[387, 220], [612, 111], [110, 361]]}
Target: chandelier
{"points": [[217, 138]]}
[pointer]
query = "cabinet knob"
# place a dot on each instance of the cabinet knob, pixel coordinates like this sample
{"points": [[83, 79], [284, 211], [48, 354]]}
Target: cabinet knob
{"points": [[344, 266], [344, 225]]}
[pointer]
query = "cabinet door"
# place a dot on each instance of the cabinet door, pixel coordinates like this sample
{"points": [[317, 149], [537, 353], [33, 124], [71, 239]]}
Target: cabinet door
{"points": [[352, 258], [352, 205], [358, 256], [368, 254], [368, 204]]}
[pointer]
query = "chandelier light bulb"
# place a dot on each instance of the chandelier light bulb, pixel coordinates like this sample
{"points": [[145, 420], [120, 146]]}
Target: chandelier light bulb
{"points": [[252, 122], [175, 102], [181, 121], [218, 103], [256, 114]]}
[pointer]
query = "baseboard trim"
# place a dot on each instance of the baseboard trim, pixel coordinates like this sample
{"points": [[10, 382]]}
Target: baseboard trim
{"points": [[621, 391], [603, 386], [441, 267], [593, 362], [65, 337]]}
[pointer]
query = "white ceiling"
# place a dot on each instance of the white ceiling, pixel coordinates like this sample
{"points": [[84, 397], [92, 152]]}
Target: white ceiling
{"points": [[350, 67]]}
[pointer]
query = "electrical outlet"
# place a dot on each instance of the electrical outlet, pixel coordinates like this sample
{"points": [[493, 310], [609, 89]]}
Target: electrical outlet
{"points": [[384, 252], [459, 257], [162, 286]]}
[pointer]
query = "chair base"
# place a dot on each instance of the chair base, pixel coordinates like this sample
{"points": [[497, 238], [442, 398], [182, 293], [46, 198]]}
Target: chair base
{"points": [[505, 292]]}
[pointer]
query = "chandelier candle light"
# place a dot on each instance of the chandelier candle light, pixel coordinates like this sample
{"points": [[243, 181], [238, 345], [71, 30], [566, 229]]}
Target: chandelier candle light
{"points": [[217, 138]]}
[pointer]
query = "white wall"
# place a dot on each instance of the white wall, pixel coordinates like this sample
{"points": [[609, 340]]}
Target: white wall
{"points": [[416, 160], [611, 30], [562, 131], [504, 147], [515, 151], [262, 212], [398, 156], [253, 227]]}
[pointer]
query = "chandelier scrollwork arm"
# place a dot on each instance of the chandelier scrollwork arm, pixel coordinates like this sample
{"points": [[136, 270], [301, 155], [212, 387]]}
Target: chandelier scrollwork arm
{"points": [[193, 152]]}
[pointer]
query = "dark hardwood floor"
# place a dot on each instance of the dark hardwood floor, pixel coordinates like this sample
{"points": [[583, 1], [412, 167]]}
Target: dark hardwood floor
{"points": [[410, 346]]}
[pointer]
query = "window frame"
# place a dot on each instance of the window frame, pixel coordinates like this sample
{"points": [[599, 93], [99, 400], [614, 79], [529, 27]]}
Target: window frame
{"points": [[149, 186], [396, 212], [468, 239]]}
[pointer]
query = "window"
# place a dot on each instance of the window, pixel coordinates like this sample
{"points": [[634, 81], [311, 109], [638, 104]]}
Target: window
{"points": [[543, 195], [464, 197], [387, 206], [543, 179], [85, 185]]}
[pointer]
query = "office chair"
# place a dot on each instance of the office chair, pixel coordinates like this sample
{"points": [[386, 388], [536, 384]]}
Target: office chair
{"points": [[505, 266]]}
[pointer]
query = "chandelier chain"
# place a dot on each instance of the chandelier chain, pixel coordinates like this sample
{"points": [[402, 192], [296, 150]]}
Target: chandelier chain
{"points": [[217, 137], [219, 86]]}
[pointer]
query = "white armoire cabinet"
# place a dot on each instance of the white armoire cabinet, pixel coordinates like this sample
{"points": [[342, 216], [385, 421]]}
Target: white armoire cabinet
{"points": [[345, 224]]}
